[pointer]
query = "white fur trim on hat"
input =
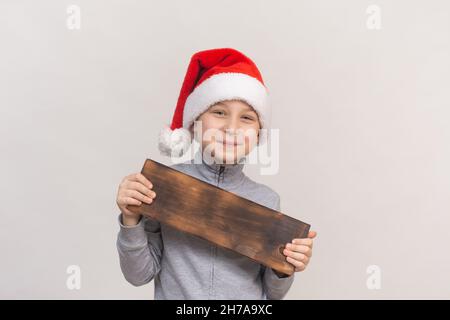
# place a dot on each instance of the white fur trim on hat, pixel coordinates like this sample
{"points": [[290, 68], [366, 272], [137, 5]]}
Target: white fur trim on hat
{"points": [[228, 86], [174, 142]]}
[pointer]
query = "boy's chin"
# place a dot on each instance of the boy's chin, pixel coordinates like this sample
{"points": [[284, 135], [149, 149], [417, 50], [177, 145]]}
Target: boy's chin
{"points": [[228, 156]]}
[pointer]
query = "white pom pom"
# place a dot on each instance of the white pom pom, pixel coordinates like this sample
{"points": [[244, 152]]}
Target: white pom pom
{"points": [[174, 143]]}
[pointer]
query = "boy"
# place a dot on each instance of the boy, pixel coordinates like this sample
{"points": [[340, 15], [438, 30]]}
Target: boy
{"points": [[222, 89]]}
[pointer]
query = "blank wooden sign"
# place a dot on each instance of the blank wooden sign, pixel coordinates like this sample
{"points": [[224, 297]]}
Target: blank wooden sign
{"points": [[219, 216]]}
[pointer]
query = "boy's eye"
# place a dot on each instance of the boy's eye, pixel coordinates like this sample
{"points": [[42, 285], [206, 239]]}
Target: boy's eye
{"points": [[248, 117], [219, 112]]}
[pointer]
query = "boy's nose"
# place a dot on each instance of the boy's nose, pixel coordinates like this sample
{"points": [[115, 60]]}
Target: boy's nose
{"points": [[232, 126]]}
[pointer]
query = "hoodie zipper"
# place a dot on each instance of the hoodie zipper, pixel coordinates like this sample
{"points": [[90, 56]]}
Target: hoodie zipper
{"points": [[220, 172]]}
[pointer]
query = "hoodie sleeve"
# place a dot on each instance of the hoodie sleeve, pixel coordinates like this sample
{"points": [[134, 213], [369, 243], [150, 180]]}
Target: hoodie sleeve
{"points": [[274, 286], [140, 249]]}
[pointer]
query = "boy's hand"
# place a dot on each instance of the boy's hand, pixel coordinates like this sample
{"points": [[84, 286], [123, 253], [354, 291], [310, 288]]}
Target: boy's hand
{"points": [[299, 252], [133, 190]]}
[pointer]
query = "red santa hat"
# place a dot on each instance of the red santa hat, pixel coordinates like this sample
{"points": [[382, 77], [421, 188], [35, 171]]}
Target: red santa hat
{"points": [[212, 76]]}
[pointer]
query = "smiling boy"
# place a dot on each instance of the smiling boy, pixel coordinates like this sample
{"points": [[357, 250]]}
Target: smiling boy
{"points": [[224, 90]]}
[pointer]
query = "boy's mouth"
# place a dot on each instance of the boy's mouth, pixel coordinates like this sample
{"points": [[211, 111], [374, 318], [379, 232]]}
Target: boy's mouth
{"points": [[229, 142]]}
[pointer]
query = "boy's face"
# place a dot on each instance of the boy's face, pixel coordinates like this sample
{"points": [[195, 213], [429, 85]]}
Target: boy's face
{"points": [[230, 130]]}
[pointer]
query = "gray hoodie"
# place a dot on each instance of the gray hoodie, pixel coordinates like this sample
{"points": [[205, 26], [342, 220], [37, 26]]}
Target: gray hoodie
{"points": [[188, 267]]}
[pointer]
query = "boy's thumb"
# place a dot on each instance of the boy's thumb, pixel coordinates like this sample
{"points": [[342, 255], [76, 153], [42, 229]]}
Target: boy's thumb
{"points": [[312, 234]]}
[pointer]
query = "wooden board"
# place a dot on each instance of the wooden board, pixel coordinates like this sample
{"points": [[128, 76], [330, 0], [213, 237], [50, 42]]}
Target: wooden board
{"points": [[219, 216]]}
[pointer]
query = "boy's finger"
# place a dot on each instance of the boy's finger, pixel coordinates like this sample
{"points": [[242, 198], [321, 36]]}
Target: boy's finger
{"points": [[130, 201], [296, 255], [142, 189], [139, 177], [300, 248], [303, 241], [139, 196], [312, 234], [297, 264]]}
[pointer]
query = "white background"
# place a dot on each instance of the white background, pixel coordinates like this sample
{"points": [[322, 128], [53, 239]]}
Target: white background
{"points": [[364, 119]]}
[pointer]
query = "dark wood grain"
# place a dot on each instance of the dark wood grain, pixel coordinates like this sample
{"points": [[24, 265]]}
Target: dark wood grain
{"points": [[219, 216]]}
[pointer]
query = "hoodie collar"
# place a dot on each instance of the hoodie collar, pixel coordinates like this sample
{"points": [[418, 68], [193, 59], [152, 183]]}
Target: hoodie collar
{"points": [[220, 175]]}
